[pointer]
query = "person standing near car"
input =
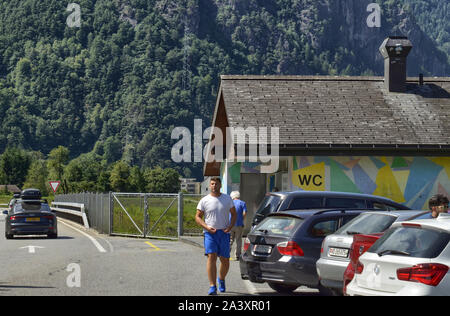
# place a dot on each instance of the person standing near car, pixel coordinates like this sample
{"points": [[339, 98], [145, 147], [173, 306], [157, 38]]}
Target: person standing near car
{"points": [[215, 208], [438, 203], [238, 228]]}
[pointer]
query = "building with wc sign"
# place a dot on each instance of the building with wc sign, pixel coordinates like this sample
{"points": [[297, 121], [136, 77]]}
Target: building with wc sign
{"points": [[387, 136]]}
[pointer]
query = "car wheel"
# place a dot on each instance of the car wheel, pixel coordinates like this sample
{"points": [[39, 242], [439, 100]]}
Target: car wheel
{"points": [[283, 288], [9, 236]]}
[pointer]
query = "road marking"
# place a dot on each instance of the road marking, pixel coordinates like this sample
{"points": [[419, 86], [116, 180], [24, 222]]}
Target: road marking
{"points": [[32, 249], [111, 248], [94, 241], [152, 245]]}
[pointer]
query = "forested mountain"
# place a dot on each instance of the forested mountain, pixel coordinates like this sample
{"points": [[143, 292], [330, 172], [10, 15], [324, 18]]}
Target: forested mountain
{"points": [[117, 85], [433, 16]]}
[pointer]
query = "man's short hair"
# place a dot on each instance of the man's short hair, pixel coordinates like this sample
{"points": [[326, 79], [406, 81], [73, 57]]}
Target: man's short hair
{"points": [[216, 179], [436, 200]]}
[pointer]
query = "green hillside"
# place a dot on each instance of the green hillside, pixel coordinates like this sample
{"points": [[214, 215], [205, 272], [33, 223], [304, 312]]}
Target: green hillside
{"points": [[117, 85]]}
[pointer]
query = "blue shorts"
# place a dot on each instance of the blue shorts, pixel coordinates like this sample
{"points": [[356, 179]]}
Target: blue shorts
{"points": [[218, 243]]}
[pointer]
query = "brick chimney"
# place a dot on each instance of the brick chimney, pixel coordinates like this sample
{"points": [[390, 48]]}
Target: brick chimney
{"points": [[395, 50]]}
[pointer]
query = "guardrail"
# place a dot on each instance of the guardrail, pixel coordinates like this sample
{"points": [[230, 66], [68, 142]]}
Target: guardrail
{"points": [[76, 209]]}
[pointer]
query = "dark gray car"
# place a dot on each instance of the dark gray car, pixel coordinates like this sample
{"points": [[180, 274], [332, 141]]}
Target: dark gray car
{"points": [[308, 200], [30, 217], [283, 249], [335, 250]]}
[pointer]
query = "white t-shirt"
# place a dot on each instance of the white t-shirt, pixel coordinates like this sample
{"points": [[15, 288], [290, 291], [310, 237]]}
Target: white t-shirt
{"points": [[216, 210]]}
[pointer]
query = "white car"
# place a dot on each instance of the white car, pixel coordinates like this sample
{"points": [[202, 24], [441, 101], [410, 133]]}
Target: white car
{"points": [[412, 258]]}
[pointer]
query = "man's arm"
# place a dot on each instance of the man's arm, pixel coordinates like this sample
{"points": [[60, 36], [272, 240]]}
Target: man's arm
{"points": [[199, 220], [232, 220]]}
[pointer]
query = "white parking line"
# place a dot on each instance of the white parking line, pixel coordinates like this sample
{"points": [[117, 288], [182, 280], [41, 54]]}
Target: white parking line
{"points": [[94, 241]]}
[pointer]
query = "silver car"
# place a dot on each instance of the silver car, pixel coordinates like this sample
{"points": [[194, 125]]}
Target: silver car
{"points": [[335, 250]]}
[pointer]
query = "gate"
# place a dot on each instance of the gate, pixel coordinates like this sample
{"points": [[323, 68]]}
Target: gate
{"points": [[154, 215]]}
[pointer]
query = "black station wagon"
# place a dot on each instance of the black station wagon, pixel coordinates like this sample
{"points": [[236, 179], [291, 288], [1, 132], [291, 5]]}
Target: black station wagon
{"points": [[283, 249], [307, 200]]}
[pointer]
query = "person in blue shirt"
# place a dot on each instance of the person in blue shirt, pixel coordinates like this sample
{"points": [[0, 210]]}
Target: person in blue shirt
{"points": [[238, 228]]}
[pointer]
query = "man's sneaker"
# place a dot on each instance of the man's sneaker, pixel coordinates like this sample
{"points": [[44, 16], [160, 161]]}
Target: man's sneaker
{"points": [[221, 285], [212, 290]]}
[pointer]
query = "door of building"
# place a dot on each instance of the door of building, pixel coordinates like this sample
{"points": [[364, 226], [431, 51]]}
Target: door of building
{"points": [[253, 190]]}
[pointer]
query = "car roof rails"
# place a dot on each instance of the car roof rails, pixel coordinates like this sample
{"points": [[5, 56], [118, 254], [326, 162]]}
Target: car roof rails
{"points": [[341, 210]]}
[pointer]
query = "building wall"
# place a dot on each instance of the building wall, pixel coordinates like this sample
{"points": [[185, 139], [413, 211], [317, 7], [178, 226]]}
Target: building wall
{"points": [[407, 180]]}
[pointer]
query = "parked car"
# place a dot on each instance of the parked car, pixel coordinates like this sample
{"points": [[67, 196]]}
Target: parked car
{"points": [[303, 200], [361, 243], [283, 249], [411, 258], [336, 248], [30, 216]]}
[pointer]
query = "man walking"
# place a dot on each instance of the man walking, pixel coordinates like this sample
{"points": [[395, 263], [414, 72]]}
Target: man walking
{"points": [[236, 231], [216, 208]]}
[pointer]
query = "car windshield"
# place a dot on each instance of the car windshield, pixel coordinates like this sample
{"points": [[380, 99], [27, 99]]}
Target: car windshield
{"points": [[269, 205], [279, 225], [412, 241], [367, 223]]}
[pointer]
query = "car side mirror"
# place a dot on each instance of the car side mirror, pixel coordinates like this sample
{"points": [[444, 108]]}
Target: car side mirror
{"points": [[5, 212]]}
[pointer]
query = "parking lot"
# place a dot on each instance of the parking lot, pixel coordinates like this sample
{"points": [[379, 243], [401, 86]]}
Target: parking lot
{"points": [[82, 262], [106, 265]]}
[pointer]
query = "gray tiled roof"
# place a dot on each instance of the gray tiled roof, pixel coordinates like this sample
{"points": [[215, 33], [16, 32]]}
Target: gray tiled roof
{"points": [[340, 110]]}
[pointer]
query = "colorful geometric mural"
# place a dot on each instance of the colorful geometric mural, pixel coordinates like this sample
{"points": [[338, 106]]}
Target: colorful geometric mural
{"points": [[408, 180]]}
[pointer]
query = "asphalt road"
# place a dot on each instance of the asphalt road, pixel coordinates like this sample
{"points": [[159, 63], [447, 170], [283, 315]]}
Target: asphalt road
{"points": [[84, 263]]}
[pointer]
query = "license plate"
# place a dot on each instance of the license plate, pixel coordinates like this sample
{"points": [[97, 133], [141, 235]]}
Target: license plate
{"points": [[338, 252], [32, 219], [262, 249]]}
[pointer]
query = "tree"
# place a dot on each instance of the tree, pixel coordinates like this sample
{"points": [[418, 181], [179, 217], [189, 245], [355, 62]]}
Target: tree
{"points": [[119, 178], [14, 164], [103, 182], [37, 177], [137, 180], [57, 160], [162, 180]]}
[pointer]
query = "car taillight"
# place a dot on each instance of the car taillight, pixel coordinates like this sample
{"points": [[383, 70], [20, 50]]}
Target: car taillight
{"points": [[426, 273], [411, 225], [290, 248], [359, 267], [246, 244], [13, 218], [348, 277]]}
